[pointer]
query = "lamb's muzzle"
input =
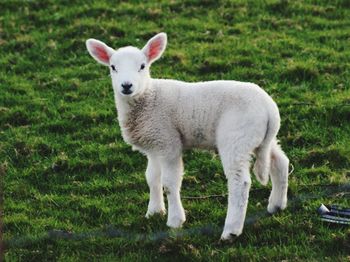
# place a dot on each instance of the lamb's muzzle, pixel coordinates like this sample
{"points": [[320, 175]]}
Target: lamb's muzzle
{"points": [[126, 88]]}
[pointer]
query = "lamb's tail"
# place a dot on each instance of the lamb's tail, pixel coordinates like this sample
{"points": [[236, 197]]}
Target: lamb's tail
{"points": [[263, 152], [262, 163]]}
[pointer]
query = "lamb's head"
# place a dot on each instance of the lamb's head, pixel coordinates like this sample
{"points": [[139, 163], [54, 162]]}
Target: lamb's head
{"points": [[129, 65]]}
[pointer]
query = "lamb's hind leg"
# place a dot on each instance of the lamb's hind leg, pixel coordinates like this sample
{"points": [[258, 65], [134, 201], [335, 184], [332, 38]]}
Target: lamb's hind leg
{"points": [[172, 171], [235, 160], [236, 142], [238, 178], [153, 177]]}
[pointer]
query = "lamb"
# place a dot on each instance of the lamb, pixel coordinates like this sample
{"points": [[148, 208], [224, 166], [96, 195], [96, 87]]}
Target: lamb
{"points": [[162, 117]]}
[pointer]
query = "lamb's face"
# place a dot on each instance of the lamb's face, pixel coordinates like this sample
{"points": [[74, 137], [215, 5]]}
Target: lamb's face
{"points": [[129, 65], [129, 71]]}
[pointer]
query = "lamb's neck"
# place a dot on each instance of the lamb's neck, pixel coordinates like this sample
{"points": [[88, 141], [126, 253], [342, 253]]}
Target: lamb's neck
{"points": [[122, 108], [127, 106]]}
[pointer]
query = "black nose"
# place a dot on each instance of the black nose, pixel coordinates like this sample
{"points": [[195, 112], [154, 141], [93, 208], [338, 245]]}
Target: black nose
{"points": [[126, 86]]}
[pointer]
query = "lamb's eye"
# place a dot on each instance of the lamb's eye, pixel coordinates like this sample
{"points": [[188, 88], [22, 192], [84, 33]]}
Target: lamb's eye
{"points": [[142, 67], [113, 68]]}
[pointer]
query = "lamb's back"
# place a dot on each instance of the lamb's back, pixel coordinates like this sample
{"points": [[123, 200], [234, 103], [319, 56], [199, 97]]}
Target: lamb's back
{"points": [[196, 108]]}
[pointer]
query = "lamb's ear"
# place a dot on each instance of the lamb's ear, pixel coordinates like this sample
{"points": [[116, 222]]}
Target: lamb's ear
{"points": [[155, 47], [99, 51]]}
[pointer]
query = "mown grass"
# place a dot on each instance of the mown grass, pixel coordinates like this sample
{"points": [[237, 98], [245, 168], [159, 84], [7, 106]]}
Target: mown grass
{"points": [[71, 184]]}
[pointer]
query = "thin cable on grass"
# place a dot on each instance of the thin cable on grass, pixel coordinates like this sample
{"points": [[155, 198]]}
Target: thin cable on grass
{"points": [[292, 169], [204, 197], [224, 195], [306, 104]]}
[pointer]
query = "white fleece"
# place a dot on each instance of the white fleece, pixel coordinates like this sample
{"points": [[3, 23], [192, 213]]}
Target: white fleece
{"points": [[161, 117]]}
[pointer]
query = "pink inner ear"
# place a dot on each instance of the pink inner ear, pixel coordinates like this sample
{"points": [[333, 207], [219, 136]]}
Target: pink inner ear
{"points": [[101, 53], [154, 49]]}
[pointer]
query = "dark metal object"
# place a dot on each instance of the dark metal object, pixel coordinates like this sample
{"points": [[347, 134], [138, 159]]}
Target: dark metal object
{"points": [[334, 214]]}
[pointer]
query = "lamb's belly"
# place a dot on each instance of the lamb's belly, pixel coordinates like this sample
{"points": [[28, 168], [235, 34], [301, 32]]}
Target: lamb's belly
{"points": [[199, 138], [198, 126]]}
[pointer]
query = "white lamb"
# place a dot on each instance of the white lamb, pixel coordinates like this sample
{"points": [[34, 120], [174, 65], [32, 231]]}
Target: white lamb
{"points": [[161, 117]]}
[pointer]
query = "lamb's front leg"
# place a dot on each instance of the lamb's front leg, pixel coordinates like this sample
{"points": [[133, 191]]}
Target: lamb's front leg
{"points": [[153, 177], [172, 171]]}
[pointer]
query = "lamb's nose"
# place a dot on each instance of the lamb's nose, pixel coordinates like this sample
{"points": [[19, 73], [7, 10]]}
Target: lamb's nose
{"points": [[126, 86]]}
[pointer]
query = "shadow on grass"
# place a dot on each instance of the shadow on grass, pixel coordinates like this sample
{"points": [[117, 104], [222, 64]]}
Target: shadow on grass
{"points": [[110, 231]]}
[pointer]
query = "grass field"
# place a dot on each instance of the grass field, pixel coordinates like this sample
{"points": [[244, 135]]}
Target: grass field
{"points": [[74, 191]]}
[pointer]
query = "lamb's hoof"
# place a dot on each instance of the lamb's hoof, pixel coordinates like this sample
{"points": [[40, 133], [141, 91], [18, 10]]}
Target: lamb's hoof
{"points": [[150, 213], [175, 222], [275, 208], [228, 238]]}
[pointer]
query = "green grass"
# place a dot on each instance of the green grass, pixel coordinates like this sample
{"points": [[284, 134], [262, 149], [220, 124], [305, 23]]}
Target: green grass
{"points": [[67, 168]]}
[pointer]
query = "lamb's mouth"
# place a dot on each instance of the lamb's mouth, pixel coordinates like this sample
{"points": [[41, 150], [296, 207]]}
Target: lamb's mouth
{"points": [[126, 92]]}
